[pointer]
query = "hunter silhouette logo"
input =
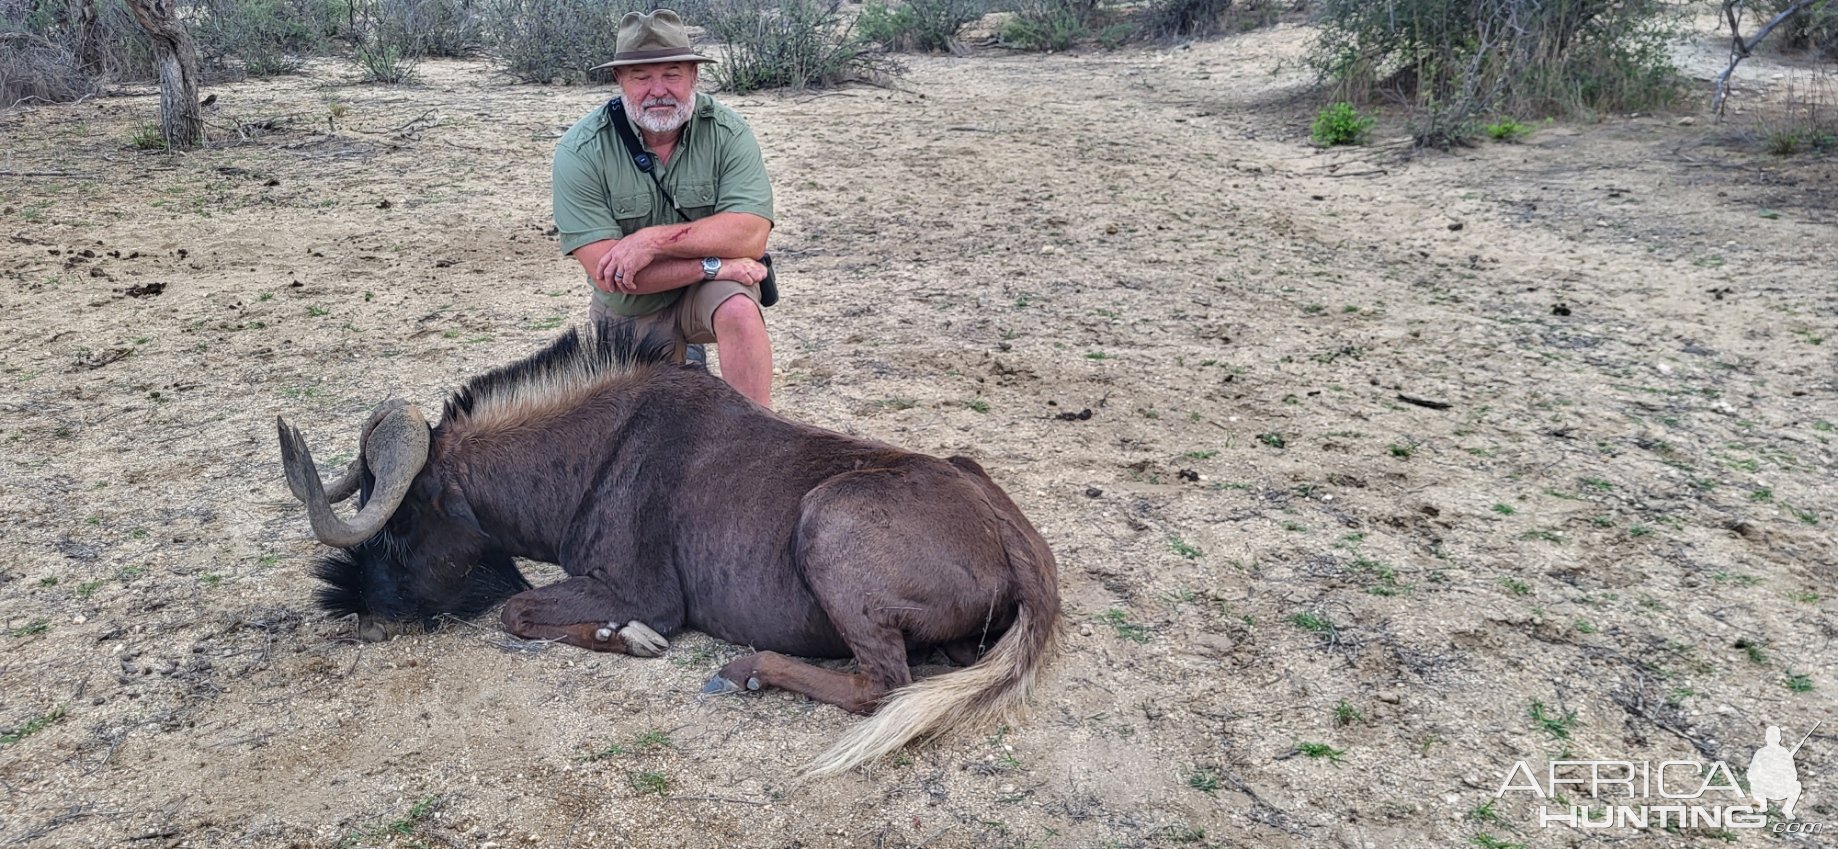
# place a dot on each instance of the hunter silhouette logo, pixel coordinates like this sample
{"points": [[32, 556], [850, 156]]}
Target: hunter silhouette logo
{"points": [[1670, 793], [1772, 775]]}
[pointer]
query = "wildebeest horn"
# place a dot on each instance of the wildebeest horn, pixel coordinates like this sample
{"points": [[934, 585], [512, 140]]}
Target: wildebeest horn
{"points": [[395, 448], [348, 483]]}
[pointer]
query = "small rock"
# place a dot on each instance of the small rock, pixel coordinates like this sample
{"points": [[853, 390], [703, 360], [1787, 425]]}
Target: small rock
{"points": [[1214, 645]]}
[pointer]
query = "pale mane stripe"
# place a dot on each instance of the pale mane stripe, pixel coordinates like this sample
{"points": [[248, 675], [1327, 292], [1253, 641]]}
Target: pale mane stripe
{"points": [[562, 376]]}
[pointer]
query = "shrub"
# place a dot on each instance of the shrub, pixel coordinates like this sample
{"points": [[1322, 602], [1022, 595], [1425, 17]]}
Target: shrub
{"points": [[789, 44], [36, 67], [1049, 24], [450, 28], [147, 137], [1454, 60], [1340, 124], [1814, 28], [544, 41], [926, 26], [391, 37], [1805, 118], [1507, 130], [260, 38], [61, 50], [1184, 18]]}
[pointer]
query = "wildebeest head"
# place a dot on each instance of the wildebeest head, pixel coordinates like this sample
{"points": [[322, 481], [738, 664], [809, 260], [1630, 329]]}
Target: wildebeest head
{"points": [[414, 549]]}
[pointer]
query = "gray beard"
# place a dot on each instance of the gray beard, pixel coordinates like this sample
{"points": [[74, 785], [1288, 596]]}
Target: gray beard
{"points": [[660, 123]]}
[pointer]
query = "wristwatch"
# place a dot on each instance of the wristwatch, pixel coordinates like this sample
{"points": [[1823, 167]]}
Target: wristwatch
{"points": [[711, 266]]}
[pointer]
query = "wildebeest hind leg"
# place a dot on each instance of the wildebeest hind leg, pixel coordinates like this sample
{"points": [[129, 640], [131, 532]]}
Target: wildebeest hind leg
{"points": [[879, 648], [580, 611], [855, 693]]}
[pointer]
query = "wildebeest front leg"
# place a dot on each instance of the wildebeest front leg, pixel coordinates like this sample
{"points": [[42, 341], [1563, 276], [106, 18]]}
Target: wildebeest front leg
{"points": [[580, 611]]}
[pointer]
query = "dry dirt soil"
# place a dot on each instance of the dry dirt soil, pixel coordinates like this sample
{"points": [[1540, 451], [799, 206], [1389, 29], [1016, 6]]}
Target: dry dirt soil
{"points": [[1306, 608]]}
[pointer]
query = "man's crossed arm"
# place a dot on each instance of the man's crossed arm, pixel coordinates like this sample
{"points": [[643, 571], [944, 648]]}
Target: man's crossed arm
{"points": [[669, 256]]}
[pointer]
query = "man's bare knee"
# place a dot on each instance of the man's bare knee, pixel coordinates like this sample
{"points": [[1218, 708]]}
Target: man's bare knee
{"points": [[737, 313]]}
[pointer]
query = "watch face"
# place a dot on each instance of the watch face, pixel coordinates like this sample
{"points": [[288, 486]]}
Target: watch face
{"points": [[710, 266]]}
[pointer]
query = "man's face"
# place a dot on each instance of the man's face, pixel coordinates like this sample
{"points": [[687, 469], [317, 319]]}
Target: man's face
{"points": [[659, 97]]}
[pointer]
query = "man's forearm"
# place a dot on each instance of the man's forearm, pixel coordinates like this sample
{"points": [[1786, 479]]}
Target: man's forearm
{"points": [[724, 234], [665, 275]]}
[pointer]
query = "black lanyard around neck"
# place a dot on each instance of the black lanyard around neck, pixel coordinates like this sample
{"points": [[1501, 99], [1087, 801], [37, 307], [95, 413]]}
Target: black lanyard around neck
{"points": [[641, 158]]}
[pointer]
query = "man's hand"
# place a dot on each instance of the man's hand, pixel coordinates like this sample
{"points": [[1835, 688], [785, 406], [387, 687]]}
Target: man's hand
{"points": [[746, 272], [618, 268]]}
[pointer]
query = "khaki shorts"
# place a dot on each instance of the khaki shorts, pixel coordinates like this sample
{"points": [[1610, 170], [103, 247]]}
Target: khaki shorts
{"points": [[692, 317]]}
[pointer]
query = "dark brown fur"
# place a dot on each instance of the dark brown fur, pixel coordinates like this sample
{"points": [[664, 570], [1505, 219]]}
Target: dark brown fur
{"points": [[673, 501]]}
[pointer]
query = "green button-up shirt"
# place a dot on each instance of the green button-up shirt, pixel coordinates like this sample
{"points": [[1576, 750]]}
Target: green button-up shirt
{"points": [[599, 194]]}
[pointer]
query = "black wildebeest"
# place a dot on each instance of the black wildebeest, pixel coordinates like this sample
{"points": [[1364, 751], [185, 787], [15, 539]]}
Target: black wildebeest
{"points": [[674, 502]]}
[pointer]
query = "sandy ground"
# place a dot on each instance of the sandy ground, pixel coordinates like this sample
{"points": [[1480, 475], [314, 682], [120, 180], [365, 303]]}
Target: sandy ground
{"points": [[1305, 611]]}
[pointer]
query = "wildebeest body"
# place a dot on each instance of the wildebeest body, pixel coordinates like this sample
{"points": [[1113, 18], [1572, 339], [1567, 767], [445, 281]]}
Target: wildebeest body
{"points": [[682, 507], [671, 501]]}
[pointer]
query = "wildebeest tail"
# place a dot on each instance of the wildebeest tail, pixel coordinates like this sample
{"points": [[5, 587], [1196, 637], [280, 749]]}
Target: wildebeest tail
{"points": [[993, 690]]}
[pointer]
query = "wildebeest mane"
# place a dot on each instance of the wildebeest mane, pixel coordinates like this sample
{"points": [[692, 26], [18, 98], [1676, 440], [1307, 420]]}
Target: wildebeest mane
{"points": [[576, 364]]}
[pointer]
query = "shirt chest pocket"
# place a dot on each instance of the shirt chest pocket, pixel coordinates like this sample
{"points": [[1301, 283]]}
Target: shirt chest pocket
{"points": [[697, 200], [632, 209]]}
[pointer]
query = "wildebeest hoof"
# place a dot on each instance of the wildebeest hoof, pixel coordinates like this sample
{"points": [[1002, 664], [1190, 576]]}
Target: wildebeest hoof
{"points": [[640, 640], [719, 686], [370, 631]]}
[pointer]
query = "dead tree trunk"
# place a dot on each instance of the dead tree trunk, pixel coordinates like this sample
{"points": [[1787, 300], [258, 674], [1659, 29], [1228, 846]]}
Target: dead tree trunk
{"points": [[176, 57]]}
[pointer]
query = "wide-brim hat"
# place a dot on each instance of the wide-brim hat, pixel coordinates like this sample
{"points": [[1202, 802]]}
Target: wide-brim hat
{"points": [[647, 38]]}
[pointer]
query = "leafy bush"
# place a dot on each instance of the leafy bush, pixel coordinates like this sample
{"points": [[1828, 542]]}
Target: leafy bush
{"points": [[926, 26], [1340, 124], [1804, 119], [147, 137], [386, 41], [1814, 28], [1454, 60], [544, 41], [451, 28], [260, 38], [1507, 130], [789, 44], [1184, 18], [1050, 24]]}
